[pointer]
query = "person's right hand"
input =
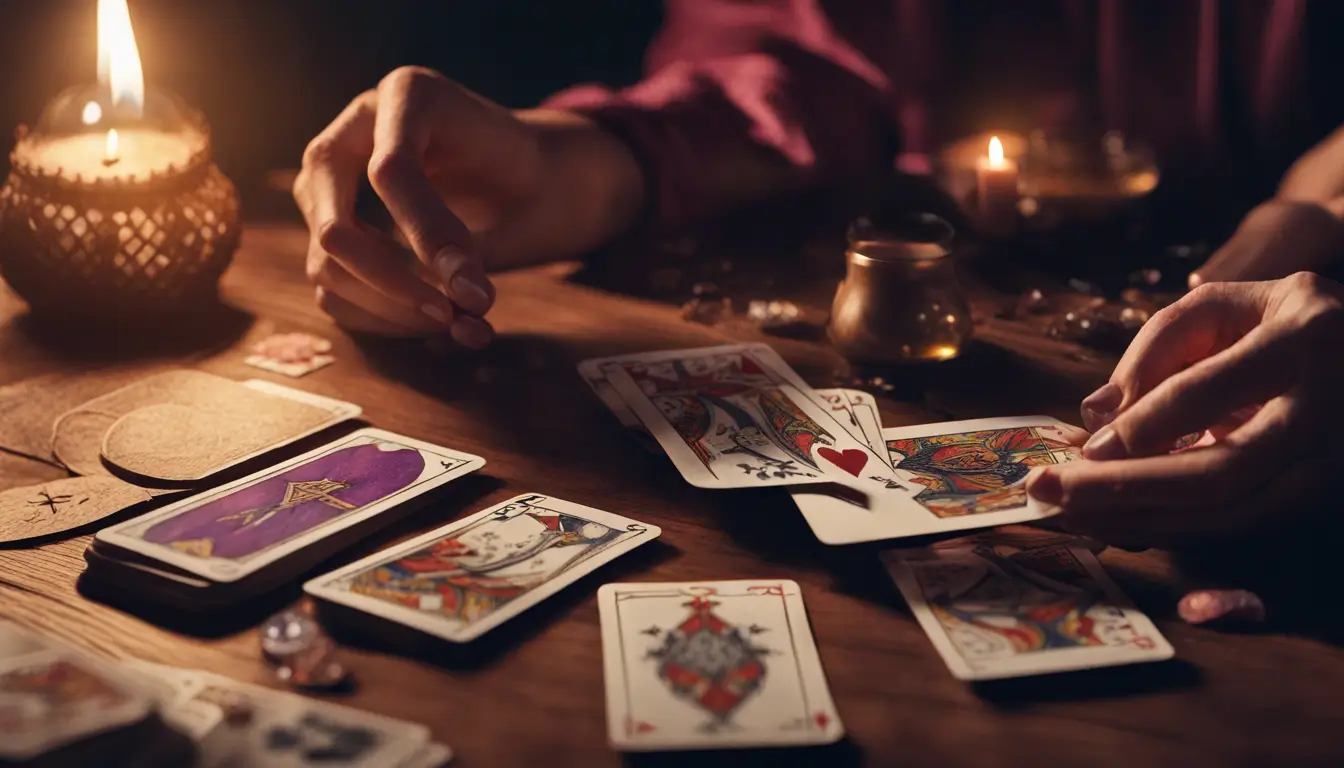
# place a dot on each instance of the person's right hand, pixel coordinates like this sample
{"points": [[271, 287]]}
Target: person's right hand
{"points": [[1258, 367], [471, 186]]}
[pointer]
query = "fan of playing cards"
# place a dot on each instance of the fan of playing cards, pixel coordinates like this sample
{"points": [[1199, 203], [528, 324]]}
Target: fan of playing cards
{"points": [[693, 665]]}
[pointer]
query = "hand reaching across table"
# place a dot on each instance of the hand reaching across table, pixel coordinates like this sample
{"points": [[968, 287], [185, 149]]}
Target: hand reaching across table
{"points": [[472, 185], [1257, 366]]}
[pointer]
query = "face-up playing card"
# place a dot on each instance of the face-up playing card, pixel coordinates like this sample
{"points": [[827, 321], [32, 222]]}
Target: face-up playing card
{"points": [[52, 697], [964, 474], [712, 665], [997, 611], [857, 411], [596, 379], [472, 575], [739, 417], [238, 529], [979, 467], [273, 729]]}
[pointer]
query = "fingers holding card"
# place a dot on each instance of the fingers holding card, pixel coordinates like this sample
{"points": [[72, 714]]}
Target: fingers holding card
{"points": [[712, 665]]}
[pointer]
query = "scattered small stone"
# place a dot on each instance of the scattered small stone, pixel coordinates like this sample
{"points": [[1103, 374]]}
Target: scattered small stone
{"points": [[1225, 606]]}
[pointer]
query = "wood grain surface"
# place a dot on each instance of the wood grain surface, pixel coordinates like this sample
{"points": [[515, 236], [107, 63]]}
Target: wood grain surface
{"points": [[531, 693]]}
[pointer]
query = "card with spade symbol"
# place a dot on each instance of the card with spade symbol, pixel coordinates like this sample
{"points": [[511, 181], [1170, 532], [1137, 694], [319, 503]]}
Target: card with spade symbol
{"points": [[739, 417], [712, 665]]}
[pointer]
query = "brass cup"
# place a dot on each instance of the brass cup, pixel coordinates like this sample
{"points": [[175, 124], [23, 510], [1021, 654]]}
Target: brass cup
{"points": [[900, 301]]}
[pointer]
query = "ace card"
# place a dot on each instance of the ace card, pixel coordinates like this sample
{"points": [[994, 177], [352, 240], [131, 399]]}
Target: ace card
{"points": [[712, 665], [240, 528], [996, 611], [739, 417], [464, 579]]}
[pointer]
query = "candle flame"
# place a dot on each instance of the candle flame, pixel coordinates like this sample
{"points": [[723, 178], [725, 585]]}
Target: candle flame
{"points": [[113, 153], [995, 152], [93, 113], [119, 67]]}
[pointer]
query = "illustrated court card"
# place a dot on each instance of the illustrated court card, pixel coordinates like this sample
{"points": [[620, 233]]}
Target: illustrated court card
{"points": [[980, 467], [712, 665], [739, 417], [997, 611], [238, 529], [464, 579]]}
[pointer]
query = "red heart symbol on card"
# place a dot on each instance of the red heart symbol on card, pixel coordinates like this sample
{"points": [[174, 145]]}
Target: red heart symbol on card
{"points": [[852, 460]]}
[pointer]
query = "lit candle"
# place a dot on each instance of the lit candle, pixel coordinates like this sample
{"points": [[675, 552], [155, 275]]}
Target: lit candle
{"points": [[129, 151], [996, 188]]}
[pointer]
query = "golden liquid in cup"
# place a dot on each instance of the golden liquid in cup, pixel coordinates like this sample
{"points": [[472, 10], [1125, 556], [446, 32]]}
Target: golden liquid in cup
{"points": [[900, 302]]}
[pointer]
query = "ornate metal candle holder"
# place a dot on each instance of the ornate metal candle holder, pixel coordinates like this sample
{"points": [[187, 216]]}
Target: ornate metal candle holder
{"points": [[142, 232]]}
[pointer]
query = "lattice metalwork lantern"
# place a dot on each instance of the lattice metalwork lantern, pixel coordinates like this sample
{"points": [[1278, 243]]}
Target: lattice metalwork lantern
{"points": [[109, 211]]}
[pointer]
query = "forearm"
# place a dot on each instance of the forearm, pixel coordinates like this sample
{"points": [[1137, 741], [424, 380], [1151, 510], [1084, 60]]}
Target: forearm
{"points": [[1318, 176]]}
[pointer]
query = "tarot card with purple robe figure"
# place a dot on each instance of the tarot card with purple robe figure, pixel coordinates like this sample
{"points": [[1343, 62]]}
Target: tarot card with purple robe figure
{"points": [[231, 532]]}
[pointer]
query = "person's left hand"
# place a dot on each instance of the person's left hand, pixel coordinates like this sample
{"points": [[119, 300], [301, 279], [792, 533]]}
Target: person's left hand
{"points": [[1257, 367], [1277, 238]]}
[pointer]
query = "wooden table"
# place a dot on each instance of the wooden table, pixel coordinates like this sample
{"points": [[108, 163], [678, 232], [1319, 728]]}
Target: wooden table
{"points": [[533, 694]]}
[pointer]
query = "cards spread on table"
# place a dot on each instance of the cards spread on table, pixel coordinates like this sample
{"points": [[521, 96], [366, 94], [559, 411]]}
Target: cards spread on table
{"points": [[462, 580], [739, 417], [966, 474], [712, 665], [286, 518], [995, 611]]}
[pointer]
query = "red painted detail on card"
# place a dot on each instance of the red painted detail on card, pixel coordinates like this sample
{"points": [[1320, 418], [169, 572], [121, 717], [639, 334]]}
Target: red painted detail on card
{"points": [[637, 726], [822, 719], [852, 460]]}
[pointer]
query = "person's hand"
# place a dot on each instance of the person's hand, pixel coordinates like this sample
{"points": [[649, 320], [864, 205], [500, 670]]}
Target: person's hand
{"points": [[1259, 369], [1277, 238], [470, 185]]}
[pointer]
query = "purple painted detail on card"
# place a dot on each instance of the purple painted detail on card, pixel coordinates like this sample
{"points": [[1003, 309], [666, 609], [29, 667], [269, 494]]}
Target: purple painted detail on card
{"points": [[297, 500]]}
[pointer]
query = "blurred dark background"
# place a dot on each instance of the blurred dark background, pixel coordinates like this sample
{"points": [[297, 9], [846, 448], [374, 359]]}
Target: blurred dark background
{"points": [[269, 74]]}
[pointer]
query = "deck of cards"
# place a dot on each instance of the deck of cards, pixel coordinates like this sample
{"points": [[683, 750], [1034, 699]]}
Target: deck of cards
{"points": [[223, 546]]}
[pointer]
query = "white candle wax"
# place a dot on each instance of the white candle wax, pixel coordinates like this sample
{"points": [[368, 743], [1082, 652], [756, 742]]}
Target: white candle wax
{"points": [[140, 152]]}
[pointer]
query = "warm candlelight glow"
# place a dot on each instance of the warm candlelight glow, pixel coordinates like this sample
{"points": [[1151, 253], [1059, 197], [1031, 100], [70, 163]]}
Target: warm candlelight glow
{"points": [[995, 152], [113, 153], [118, 57], [92, 113]]}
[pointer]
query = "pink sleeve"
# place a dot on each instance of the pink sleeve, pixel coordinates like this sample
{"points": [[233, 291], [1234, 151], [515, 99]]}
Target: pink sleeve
{"points": [[725, 74]]}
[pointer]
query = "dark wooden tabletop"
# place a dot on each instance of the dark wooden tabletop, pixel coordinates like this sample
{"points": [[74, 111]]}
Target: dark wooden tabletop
{"points": [[532, 692]]}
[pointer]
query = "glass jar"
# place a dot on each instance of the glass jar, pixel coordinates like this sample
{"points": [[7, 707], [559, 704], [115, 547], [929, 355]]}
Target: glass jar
{"points": [[900, 301]]}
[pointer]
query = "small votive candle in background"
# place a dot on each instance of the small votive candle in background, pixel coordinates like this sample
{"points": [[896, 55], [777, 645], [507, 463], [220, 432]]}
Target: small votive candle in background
{"points": [[996, 190]]}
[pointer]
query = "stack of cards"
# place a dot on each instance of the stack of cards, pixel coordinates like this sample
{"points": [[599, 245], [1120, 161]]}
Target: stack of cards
{"points": [[712, 665], [464, 579], [235, 724], [739, 417], [60, 707], [229, 544], [996, 610]]}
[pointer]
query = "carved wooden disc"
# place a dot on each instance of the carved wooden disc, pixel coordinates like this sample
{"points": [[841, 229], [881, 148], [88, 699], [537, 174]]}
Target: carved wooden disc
{"points": [[61, 505]]}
